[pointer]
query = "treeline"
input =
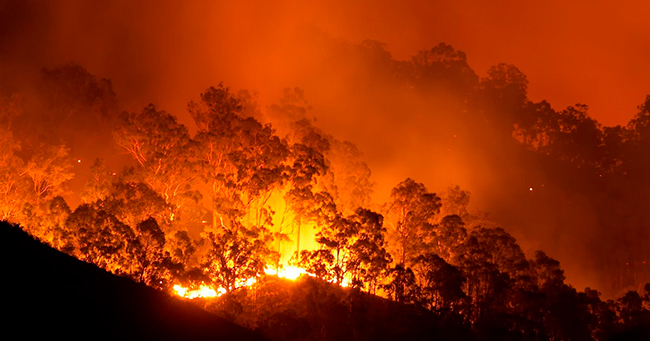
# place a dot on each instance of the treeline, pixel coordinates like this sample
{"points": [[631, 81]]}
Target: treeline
{"points": [[470, 284], [219, 203]]}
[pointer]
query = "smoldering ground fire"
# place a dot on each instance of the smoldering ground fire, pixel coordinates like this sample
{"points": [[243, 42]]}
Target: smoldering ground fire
{"points": [[348, 176]]}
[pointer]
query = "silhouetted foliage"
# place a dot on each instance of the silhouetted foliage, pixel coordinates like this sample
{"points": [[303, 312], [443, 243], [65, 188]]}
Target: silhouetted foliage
{"points": [[200, 207]]}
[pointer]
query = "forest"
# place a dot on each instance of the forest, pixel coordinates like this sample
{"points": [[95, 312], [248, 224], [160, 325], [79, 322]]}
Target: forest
{"points": [[259, 215]]}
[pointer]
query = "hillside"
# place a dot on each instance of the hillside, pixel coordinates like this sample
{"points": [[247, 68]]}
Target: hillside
{"points": [[47, 293]]}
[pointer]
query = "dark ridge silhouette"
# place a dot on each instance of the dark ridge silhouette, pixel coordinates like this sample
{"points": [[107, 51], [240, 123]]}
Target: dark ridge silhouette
{"points": [[46, 293]]}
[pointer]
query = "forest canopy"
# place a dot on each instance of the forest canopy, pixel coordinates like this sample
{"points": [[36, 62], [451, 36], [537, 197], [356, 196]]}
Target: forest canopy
{"points": [[250, 191]]}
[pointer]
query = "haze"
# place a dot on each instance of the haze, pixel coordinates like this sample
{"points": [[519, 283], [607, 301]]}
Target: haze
{"points": [[591, 52]]}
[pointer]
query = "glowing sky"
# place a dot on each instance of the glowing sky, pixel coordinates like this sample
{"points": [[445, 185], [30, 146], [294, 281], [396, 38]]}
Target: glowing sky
{"points": [[590, 51], [593, 52]]}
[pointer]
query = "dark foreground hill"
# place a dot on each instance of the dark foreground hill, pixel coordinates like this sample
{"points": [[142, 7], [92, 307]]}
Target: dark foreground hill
{"points": [[46, 293]]}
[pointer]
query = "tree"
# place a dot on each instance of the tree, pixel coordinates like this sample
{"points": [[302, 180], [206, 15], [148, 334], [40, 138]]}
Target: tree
{"points": [[506, 77], [290, 115], [307, 143], [503, 251], [306, 163], [348, 176], [547, 271], [449, 236], [443, 69], [166, 156], [11, 107], [408, 215], [485, 284], [369, 258], [134, 202], [440, 282], [236, 254], [13, 186], [242, 160], [76, 109], [98, 187], [48, 170], [402, 286], [151, 261], [242, 163], [631, 310], [100, 238], [53, 223], [502, 95], [351, 249], [455, 202], [308, 207], [70, 88], [335, 237], [536, 126], [321, 263], [577, 138], [181, 247]]}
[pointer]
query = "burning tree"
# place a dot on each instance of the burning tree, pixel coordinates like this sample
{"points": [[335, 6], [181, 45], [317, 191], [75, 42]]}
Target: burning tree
{"points": [[99, 186], [100, 238], [166, 157], [242, 163], [237, 254], [351, 248], [153, 265], [12, 186], [32, 179], [369, 258], [49, 168]]}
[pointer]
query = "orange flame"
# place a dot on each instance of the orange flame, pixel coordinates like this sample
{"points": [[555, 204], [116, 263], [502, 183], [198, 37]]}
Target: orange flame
{"points": [[203, 291]]}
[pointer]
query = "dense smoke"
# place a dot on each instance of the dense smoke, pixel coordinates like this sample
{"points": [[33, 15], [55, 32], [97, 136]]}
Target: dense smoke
{"points": [[438, 132]]}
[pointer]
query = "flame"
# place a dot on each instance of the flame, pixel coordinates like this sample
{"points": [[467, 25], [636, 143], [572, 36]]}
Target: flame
{"points": [[248, 282], [203, 291], [290, 272]]}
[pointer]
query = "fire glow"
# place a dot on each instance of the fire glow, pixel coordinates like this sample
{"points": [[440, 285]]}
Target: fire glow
{"points": [[289, 272], [204, 291]]}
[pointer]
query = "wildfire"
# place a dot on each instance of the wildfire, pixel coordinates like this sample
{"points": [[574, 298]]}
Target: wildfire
{"points": [[247, 283], [289, 272], [203, 291]]}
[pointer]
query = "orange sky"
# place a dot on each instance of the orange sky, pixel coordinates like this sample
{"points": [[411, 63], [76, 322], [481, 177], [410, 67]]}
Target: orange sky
{"points": [[589, 51]]}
